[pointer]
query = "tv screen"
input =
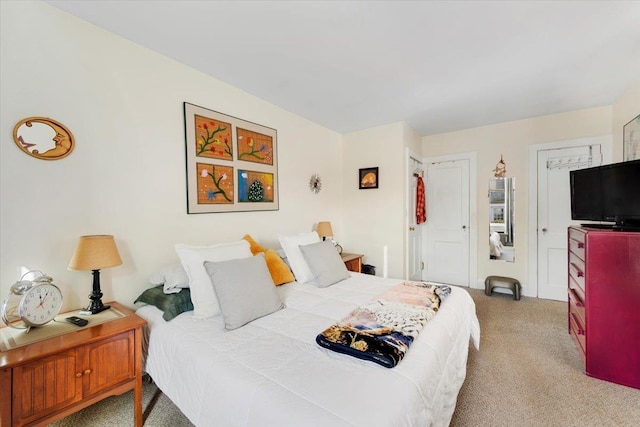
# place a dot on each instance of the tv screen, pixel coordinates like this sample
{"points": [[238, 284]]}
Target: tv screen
{"points": [[607, 193], [586, 195], [621, 191]]}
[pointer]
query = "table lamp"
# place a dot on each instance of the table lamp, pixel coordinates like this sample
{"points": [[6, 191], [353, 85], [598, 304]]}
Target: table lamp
{"points": [[94, 253], [324, 229]]}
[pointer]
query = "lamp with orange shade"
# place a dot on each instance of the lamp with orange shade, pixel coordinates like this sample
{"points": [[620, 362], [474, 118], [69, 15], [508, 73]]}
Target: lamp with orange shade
{"points": [[325, 231], [94, 253]]}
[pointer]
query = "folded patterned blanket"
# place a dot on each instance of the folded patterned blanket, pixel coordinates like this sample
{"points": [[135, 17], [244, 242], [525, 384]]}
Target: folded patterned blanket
{"points": [[383, 330]]}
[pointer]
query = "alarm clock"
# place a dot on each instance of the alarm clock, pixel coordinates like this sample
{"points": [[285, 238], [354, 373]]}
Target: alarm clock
{"points": [[36, 302]]}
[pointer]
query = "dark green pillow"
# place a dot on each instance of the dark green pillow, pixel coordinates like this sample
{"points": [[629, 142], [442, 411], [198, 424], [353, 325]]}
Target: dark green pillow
{"points": [[170, 304]]}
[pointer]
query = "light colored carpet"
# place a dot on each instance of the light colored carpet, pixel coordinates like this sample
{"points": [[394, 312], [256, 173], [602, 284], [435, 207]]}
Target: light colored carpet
{"points": [[117, 411], [527, 373]]}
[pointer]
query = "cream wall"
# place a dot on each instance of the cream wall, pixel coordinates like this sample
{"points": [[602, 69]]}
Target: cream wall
{"points": [[512, 140], [374, 215], [375, 218], [625, 109], [126, 177]]}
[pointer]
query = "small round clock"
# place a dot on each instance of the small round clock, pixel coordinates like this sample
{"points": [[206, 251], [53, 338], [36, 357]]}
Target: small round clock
{"points": [[36, 302]]}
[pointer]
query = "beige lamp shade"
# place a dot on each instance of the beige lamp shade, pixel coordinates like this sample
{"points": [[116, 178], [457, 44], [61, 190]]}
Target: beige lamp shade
{"points": [[94, 253], [324, 229]]}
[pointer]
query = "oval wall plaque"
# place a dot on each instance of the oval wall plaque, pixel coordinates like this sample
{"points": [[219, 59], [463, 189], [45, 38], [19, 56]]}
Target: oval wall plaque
{"points": [[43, 138]]}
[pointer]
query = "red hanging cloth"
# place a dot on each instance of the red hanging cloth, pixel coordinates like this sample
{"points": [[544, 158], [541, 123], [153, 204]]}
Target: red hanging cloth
{"points": [[421, 211]]}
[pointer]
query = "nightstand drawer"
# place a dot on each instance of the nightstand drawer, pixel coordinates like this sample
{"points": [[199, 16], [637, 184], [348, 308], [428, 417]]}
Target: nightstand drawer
{"points": [[353, 262]]}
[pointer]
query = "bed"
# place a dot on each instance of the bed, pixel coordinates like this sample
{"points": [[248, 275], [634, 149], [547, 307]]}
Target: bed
{"points": [[271, 371]]}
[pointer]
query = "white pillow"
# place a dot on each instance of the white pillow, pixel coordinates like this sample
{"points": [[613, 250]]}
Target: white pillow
{"points": [[296, 261], [203, 296], [174, 278]]}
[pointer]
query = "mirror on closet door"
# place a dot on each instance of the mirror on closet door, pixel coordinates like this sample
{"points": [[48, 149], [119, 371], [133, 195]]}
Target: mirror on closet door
{"points": [[501, 214]]}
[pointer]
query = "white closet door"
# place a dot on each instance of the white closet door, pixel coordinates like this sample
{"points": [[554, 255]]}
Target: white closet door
{"points": [[447, 234], [554, 214]]}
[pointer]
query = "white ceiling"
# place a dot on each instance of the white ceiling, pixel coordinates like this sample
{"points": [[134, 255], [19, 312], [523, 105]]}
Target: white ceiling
{"points": [[438, 66]]}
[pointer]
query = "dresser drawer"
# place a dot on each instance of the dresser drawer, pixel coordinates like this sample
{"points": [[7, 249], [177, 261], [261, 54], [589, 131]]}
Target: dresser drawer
{"points": [[576, 306], [577, 330], [576, 271], [576, 242]]}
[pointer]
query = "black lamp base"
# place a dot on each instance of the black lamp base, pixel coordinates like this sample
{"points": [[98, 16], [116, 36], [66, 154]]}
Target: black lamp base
{"points": [[96, 305], [98, 308]]}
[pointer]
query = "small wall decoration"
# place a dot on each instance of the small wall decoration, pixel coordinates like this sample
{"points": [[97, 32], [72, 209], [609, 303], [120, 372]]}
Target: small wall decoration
{"points": [[43, 138], [315, 183], [631, 137], [500, 171], [231, 163], [368, 178]]}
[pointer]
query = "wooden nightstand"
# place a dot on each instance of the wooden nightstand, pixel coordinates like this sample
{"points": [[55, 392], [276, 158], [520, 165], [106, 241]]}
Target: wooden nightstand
{"points": [[46, 380], [352, 261]]}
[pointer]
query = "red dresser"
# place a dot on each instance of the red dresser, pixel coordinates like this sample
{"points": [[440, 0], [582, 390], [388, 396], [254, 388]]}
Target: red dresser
{"points": [[604, 302]]}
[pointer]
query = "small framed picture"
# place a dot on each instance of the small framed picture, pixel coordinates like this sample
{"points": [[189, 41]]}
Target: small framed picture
{"points": [[368, 178], [631, 138]]}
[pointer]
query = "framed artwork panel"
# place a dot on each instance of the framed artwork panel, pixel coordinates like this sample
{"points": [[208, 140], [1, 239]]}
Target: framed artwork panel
{"points": [[213, 138], [255, 147], [215, 184], [231, 163], [255, 187]]}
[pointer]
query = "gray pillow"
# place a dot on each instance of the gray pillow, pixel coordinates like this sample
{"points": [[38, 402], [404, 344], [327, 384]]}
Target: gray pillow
{"points": [[244, 289], [325, 263]]}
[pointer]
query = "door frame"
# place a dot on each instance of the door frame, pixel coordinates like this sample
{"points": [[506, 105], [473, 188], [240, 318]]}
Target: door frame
{"points": [[409, 155], [605, 141], [472, 157]]}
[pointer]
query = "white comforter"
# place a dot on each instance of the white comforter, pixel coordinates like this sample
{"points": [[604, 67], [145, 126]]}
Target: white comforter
{"points": [[271, 372]]}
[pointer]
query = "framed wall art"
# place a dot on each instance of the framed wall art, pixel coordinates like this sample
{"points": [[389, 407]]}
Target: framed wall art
{"points": [[368, 178], [631, 139], [232, 164]]}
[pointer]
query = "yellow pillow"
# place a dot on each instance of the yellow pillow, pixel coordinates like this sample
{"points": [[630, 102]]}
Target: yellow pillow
{"points": [[280, 272], [253, 245]]}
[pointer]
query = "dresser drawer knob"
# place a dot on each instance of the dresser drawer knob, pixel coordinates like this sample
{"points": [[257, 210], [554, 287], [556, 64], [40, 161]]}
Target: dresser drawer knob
{"points": [[87, 371], [78, 374]]}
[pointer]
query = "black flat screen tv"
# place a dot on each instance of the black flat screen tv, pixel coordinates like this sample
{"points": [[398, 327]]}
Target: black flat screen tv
{"points": [[609, 193]]}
